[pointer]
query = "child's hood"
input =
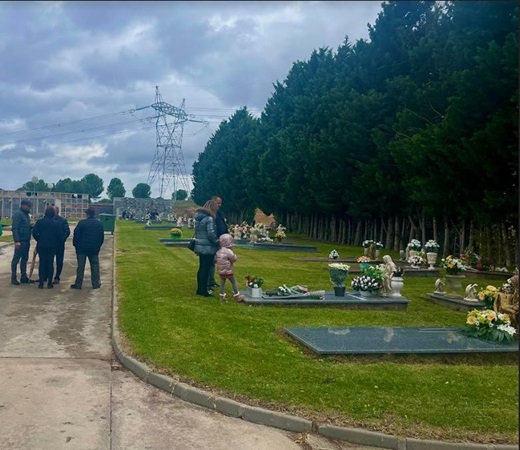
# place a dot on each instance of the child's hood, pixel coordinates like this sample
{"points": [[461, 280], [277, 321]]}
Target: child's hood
{"points": [[226, 240]]}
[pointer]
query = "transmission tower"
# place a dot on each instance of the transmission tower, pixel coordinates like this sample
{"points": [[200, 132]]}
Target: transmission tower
{"points": [[167, 167]]}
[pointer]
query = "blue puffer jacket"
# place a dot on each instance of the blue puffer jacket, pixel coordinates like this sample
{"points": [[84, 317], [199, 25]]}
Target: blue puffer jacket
{"points": [[205, 235]]}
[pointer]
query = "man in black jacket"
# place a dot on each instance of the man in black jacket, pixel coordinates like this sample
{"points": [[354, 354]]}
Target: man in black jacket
{"points": [[88, 239], [21, 228], [60, 251]]}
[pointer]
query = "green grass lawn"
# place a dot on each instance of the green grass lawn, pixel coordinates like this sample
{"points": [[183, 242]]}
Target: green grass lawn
{"points": [[241, 351]]}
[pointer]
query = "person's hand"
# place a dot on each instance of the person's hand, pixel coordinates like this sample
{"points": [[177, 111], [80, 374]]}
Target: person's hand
{"points": [[17, 245]]}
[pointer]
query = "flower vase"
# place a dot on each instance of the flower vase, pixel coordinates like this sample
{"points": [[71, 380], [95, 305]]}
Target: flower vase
{"points": [[431, 257], [412, 253], [339, 291], [278, 239], [377, 253], [397, 284], [254, 292], [365, 293], [454, 282], [365, 251]]}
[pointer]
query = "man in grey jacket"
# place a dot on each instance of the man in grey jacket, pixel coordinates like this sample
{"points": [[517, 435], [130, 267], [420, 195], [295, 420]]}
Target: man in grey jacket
{"points": [[21, 229]]}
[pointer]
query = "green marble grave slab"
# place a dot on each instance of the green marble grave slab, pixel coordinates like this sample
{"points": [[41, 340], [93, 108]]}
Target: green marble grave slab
{"points": [[394, 340]]}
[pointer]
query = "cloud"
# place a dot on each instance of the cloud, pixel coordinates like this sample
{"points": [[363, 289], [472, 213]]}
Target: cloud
{"points": [[75, 73]]}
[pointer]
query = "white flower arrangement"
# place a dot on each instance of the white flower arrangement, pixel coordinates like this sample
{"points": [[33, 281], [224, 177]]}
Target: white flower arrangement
{"points": [[432, 246], [415, 260], [414, 244], [367, 243], [379, 245], [338, 273], [280, 232], [365, 283], [334, 254]]}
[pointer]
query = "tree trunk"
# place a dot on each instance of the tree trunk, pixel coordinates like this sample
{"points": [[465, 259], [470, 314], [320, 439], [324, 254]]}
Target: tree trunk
{"points": [[446, 237], [357, 238], [463, 237], [390, 235], [434, 225]]}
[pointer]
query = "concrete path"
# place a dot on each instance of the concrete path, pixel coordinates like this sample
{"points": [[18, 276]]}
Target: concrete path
{"points": [[62, 388]]}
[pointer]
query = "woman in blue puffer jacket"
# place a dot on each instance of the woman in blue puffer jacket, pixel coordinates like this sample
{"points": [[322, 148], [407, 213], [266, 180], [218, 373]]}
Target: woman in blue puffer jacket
{"points": [[206, 243]]}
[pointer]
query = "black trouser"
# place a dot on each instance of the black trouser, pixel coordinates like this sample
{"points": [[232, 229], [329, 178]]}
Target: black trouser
{"points": [[205, 262], [94, 269], [21, 254], [46, 267], [60, 253]]}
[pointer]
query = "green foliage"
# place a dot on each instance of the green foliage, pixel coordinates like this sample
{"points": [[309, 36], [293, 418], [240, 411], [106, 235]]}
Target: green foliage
{"points": [[181, 194], [115, 188], [421, 119], [93, 185], [142, 190]]}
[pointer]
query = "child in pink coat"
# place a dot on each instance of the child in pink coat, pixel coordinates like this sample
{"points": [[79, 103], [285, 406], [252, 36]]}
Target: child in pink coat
{"points": [[224, 260]]}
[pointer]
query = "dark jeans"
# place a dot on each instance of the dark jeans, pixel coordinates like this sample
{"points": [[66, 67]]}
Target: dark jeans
{"points": [[46, 267], [60, 253], [94, 269], [205, 262], [20, 255], [211, 276]]}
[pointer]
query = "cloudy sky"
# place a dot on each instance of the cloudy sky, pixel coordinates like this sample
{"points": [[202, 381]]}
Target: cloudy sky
{"points": [[74, 75]]}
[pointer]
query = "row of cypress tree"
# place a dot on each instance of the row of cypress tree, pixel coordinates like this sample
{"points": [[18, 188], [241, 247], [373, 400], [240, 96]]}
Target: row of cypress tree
{"points": [[412, 133]]}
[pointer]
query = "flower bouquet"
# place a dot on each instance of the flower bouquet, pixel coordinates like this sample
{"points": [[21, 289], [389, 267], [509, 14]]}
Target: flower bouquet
{"points": [[338, 273], [415, 245], [254, 282], [379, 245], [452, 265], [280, 233], [489, 325], [176, 233], [334, 254], [365, 283], [415, 261], [432, 246], [488, 295], [367, 243]]}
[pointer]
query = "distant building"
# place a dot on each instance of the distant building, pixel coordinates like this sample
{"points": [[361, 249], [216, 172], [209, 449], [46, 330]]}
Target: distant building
{"points": [[71, 205]]}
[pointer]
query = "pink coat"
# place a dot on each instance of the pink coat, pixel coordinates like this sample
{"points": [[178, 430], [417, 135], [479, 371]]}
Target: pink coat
{"points": [[225, 257]]}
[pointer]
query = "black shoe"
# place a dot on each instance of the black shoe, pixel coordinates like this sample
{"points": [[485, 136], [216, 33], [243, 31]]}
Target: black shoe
{"points": [[74, 286], [50, 286], [40, 286], [204, 294], [56, 281], [26, 281], [96, 287], [15, 282]]}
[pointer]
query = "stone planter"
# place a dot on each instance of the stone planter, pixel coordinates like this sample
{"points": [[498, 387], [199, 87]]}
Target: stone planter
{"points": [[454, 282], [339, 291], [365, 251], [365, 293], [431, 257], [254, 292], [412, 253], [397, 284]]}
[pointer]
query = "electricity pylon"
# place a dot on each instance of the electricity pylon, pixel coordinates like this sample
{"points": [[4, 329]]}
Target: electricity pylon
{"points": [[168, 163]]}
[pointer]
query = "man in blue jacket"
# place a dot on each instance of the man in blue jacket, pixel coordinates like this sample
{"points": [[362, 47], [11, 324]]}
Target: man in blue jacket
{"points": [[21, 229], [87, 239]]}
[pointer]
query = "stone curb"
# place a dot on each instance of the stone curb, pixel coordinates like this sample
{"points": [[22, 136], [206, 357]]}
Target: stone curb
{"points": [[270, 418]]}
